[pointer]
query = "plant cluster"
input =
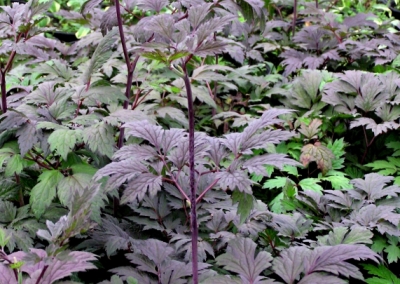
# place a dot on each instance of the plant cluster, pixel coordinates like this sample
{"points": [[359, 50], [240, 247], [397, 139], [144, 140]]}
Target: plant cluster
{"points": [[199, 141]]}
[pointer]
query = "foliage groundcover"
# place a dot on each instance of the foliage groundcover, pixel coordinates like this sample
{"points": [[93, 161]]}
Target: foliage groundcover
{"points": [[199, 142]]}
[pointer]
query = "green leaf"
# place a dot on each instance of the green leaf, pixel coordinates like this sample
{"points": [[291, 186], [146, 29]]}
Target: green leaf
{"points": [[69, 185], [338, 182], [337, 147], [386, 276], [393, 252], [381, 164], [101, 55], [311, 184], [100, 138], [276, 182], [317, 153], [246, 204], [379, 244], [15, 165], [63, 141], [3, 238], [43, 193]]}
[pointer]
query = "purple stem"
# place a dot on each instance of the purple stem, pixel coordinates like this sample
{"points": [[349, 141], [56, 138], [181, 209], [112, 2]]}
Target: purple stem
{"points": [[192, 181]]}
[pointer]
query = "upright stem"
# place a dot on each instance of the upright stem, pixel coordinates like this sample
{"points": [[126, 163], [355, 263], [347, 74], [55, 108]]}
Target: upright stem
{"points": [[294, 17], [192, 181], [3, 92]]}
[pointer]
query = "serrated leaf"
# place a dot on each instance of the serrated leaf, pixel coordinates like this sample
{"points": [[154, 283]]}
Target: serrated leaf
{"points": [[44, 191], [234, 180], [100, 138], [246, 204], [317, 153], [27, 137], [342, 235], [310, 131], [100, 55], [7, 275], [240, 258], [7, 211], [15, 165], [393, 253], [140, 185], [386, 276], [70, 185], [311, 184], [276, 182], [64, 140]]}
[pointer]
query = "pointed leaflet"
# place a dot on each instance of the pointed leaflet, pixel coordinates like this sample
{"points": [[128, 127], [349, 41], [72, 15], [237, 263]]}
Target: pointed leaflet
{"points": [[237, 179], [120, 172], [198, 13], [109, 20], [371, 124], [240, 258], [332, 259], [311, 131], [162, 25], [71, 185], [295, 260], [384, 218], [57, 269], [152, 5], [317, 153], [140, 152], [89, 5], [7, 275], [100, 138], [7, 211], [64, 140], [140, 185], [100, 55], [386, 276], [43, 192], [374, 185], [289, 264], [145, 130], [245, 204], [343, 235], [27, 136], [257, 164]]}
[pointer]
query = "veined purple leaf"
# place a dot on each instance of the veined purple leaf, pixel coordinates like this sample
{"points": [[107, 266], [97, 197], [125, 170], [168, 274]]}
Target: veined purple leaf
{"points": [[374, 185], [198, 13], [381, 217], [140, 185], [371, 124], [145, 130], [109, 20], [28, 136], [237, 179], [89, 5], [332, 259], [100, 138], [153, 5], [291, 226], [290, 263], [100, 55], [217, 151], [257, 164], [140, 152], [321, 278], [7, 275], [163, 25], [241, 258], [121, 172]]}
